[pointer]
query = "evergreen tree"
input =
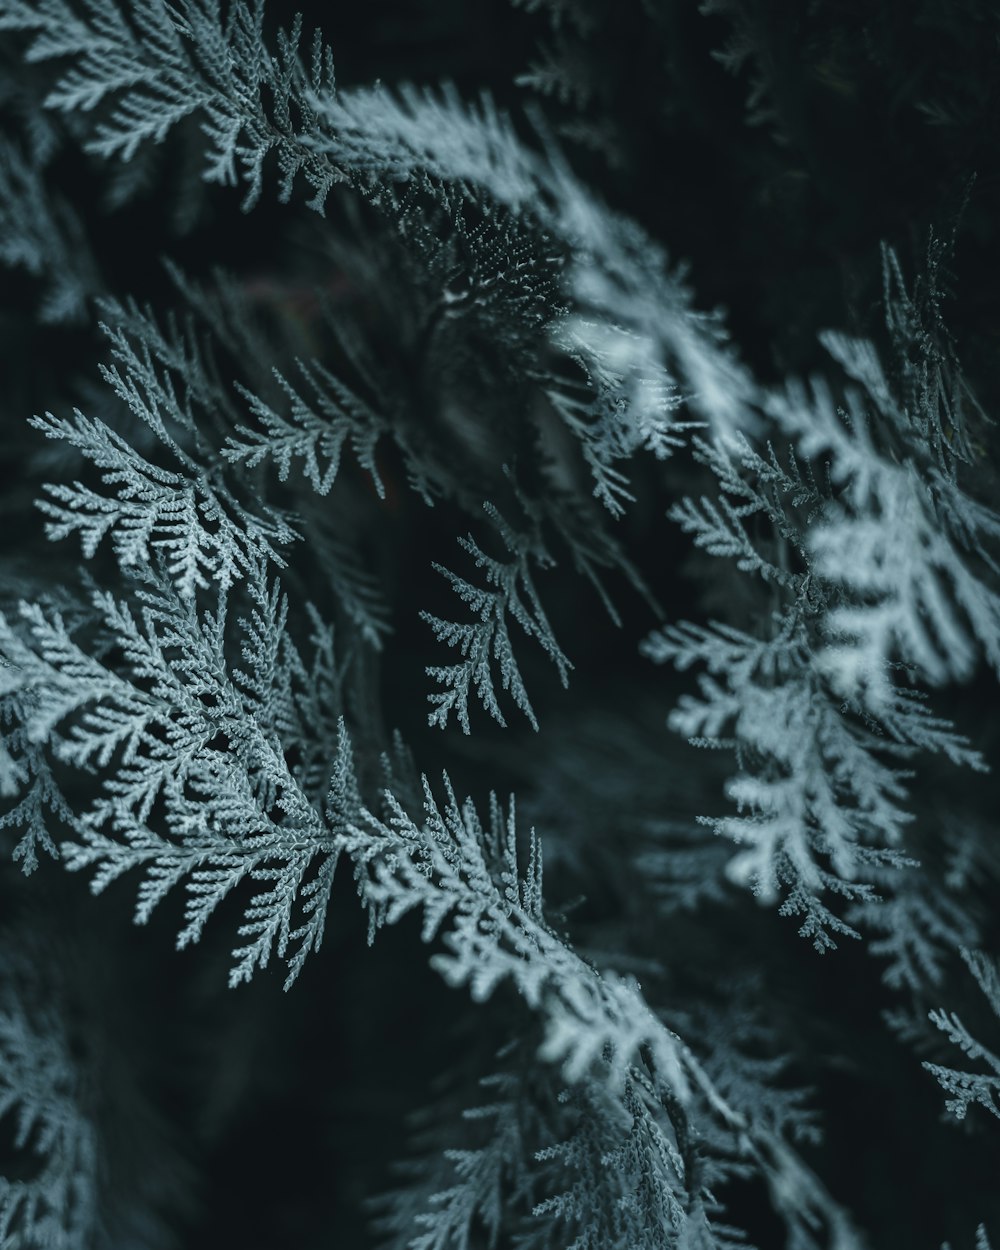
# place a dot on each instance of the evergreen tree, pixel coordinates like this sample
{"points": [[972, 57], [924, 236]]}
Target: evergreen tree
{"points": [[444, 441]]}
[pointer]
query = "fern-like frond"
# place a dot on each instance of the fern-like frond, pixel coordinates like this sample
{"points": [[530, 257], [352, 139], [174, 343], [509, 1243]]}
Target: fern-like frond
{"points": [[456, 869], [510, 591], [198, 787], [619, 411], [168, 501], [812, 790], [907, 588], [964, 1087], [314, 432]]}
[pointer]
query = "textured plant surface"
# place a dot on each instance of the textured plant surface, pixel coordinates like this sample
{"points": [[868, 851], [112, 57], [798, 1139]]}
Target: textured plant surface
{"points": [[458, 440]]}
